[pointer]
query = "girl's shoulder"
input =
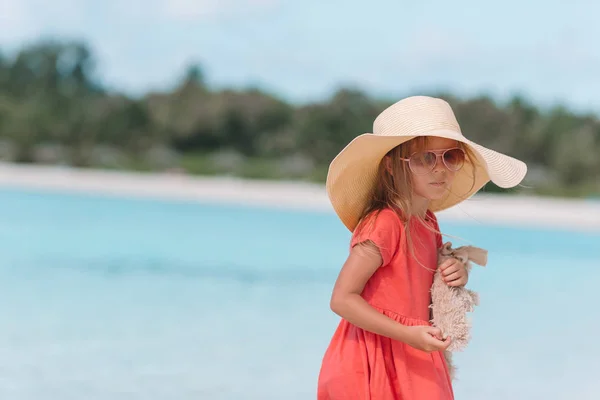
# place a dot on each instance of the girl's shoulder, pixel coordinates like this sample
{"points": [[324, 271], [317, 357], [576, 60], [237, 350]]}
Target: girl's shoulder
{"points": [[385, 218], [388, 213], [384, 228]]}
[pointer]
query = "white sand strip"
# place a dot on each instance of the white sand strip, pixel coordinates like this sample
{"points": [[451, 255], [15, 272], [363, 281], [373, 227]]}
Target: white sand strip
{"points": [[483, 208]]}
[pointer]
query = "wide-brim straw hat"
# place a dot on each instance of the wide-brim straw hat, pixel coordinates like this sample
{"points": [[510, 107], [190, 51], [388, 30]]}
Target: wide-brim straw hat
{"points": [[352, 173]]}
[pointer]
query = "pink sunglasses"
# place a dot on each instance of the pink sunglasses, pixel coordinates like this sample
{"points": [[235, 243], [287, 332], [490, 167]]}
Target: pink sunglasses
{"points": [[424, 162]]}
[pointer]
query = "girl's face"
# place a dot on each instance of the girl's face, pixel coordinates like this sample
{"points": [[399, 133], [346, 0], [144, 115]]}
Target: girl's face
{"points": [[433, 184]]}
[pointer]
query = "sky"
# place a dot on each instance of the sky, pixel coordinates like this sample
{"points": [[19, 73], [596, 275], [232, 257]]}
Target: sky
{"points": [[305, 50]]}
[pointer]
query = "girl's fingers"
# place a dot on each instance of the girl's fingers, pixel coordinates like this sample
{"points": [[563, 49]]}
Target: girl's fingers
{"points": [[441, 345], [448, 263], [454, 266], [458, 282], [452, 277], [435, 332], [450, 270]]}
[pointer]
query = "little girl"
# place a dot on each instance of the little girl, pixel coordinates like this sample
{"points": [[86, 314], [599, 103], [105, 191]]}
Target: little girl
{"points": [[385, 186]]}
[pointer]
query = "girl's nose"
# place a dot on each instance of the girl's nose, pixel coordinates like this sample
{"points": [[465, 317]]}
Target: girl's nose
{"points": [[439, 165]]}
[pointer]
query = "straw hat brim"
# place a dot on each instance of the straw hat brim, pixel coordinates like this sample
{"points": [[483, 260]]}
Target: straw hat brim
{"points": [[352, 173]]}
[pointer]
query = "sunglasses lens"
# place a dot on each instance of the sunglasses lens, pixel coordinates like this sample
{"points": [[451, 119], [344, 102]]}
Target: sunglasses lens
{"points": [[423, 162], [454, 159]]}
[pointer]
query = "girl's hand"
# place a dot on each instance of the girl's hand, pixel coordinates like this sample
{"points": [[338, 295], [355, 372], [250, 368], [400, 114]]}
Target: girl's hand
{"points": [[426, 338], [454, 272]]}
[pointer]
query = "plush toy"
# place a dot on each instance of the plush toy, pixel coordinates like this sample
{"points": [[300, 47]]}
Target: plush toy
{"points": [[449, 305]]}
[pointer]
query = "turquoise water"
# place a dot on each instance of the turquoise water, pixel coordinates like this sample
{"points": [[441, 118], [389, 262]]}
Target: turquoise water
{"points": [[108, 298]]}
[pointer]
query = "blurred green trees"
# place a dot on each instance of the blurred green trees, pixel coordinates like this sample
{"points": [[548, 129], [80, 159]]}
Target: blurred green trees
{"points": [[53, 110]]}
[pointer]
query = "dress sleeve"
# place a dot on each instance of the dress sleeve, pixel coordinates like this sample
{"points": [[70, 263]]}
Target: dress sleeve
{"points": [[384, 229]]}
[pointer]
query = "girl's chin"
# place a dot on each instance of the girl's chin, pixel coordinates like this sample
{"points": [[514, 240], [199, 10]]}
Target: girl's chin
{"points": [[436, 194]]}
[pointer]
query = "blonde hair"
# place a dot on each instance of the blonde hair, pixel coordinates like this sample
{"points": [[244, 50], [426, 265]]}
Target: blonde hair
{"points": [[394, 189]]}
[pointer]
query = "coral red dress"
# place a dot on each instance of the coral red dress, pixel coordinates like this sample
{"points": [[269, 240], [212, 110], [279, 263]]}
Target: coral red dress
{"points": [[360, 365]]}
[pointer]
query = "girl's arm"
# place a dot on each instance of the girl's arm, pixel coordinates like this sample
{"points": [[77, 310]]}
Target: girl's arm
{"points": [[346, 299]]}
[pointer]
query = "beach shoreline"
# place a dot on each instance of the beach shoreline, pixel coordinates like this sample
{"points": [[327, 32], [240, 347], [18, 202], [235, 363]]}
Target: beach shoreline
{"points": [[519, 210]]}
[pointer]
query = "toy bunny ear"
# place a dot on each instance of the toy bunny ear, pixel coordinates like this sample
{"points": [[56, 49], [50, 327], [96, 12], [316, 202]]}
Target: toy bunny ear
{"points": [[477, 255], [445, 250]]}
